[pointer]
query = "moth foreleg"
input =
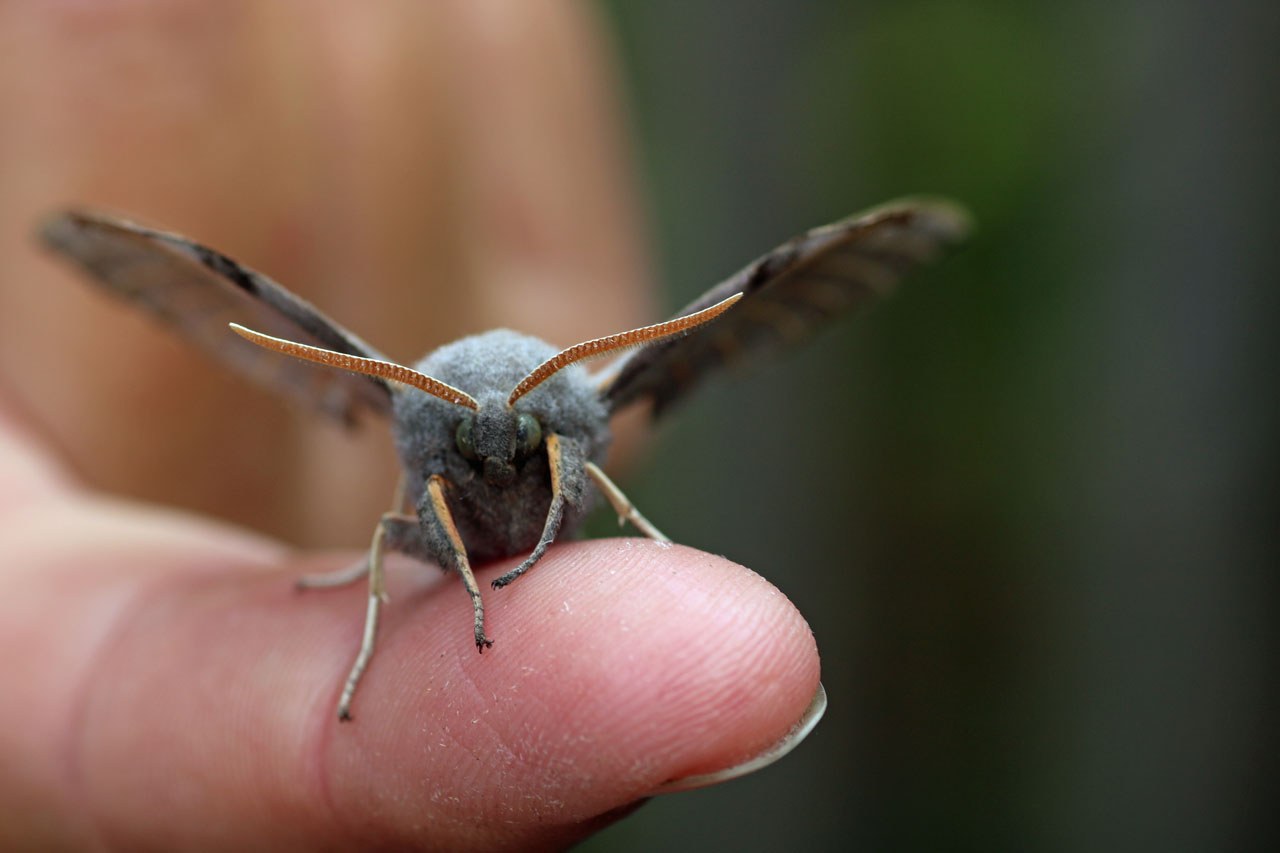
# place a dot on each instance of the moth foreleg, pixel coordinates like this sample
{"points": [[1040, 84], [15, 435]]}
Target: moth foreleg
{"points": [[396, 532], [622, 505], [445, 538], [566, 467]]}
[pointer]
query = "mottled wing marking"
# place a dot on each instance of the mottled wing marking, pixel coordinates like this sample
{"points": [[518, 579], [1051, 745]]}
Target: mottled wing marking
{"points": [[788, 294], [199, 292]]}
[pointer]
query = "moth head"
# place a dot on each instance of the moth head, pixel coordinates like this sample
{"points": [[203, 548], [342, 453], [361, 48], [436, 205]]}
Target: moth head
{"points": [[498, 436], [494, 437], [498, 439]]}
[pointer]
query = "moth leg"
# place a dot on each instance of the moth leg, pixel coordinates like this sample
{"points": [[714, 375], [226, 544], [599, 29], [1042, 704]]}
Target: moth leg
{"points": [[400, 530], [442, 517], [621, 505], [341, 577], [354, 572], [555, 513]]}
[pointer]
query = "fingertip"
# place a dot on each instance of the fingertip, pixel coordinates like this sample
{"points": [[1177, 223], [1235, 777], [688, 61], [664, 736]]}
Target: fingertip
{"points": [[698, 663]]}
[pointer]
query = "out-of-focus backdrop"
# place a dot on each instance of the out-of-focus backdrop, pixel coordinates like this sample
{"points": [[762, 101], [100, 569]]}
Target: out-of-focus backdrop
{"points": [[1029, 504]]}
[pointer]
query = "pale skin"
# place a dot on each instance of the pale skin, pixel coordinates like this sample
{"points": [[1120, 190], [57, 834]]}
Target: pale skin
{"points": [[164, 684]]}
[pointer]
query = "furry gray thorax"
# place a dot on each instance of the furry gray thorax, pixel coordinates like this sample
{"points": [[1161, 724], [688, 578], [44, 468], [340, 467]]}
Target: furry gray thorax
{"points": [[498, 520]]}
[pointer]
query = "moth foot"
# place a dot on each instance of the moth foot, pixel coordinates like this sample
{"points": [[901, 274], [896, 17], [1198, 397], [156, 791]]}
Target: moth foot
{"points": [[482, 643]]}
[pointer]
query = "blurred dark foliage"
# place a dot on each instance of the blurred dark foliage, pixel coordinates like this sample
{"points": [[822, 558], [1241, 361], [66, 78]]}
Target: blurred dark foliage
{"points": [[1028, 505]]}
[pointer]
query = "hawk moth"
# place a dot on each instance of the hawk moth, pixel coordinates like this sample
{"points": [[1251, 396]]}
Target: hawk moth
{"points": [[500, 435]]}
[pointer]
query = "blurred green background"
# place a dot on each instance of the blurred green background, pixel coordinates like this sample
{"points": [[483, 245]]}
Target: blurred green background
{"points": [[1029, 504]]}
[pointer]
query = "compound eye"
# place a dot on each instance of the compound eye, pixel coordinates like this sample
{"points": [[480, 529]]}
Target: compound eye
{"points": [[463, 438], [528, 434]]}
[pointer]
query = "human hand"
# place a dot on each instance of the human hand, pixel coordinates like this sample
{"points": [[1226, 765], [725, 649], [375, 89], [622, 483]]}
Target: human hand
{"points": [[165, 686]]}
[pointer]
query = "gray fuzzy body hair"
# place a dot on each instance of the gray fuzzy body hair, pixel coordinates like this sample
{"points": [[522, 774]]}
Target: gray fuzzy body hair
{"points": [[499, 521]]}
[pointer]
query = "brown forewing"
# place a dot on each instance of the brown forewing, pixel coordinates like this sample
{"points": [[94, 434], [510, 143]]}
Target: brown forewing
{"points": [[789, 293], [199, 291]]}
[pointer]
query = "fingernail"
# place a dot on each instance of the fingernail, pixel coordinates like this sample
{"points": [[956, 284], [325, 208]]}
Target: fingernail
{"points": [[789, 741]]}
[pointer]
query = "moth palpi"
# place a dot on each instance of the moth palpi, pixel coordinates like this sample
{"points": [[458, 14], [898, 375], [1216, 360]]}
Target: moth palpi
{"points": [[500, 435]]}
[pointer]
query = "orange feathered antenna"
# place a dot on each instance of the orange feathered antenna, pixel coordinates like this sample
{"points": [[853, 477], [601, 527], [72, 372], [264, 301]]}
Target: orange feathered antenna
{"points": [[613, 343], [356, 364]]}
